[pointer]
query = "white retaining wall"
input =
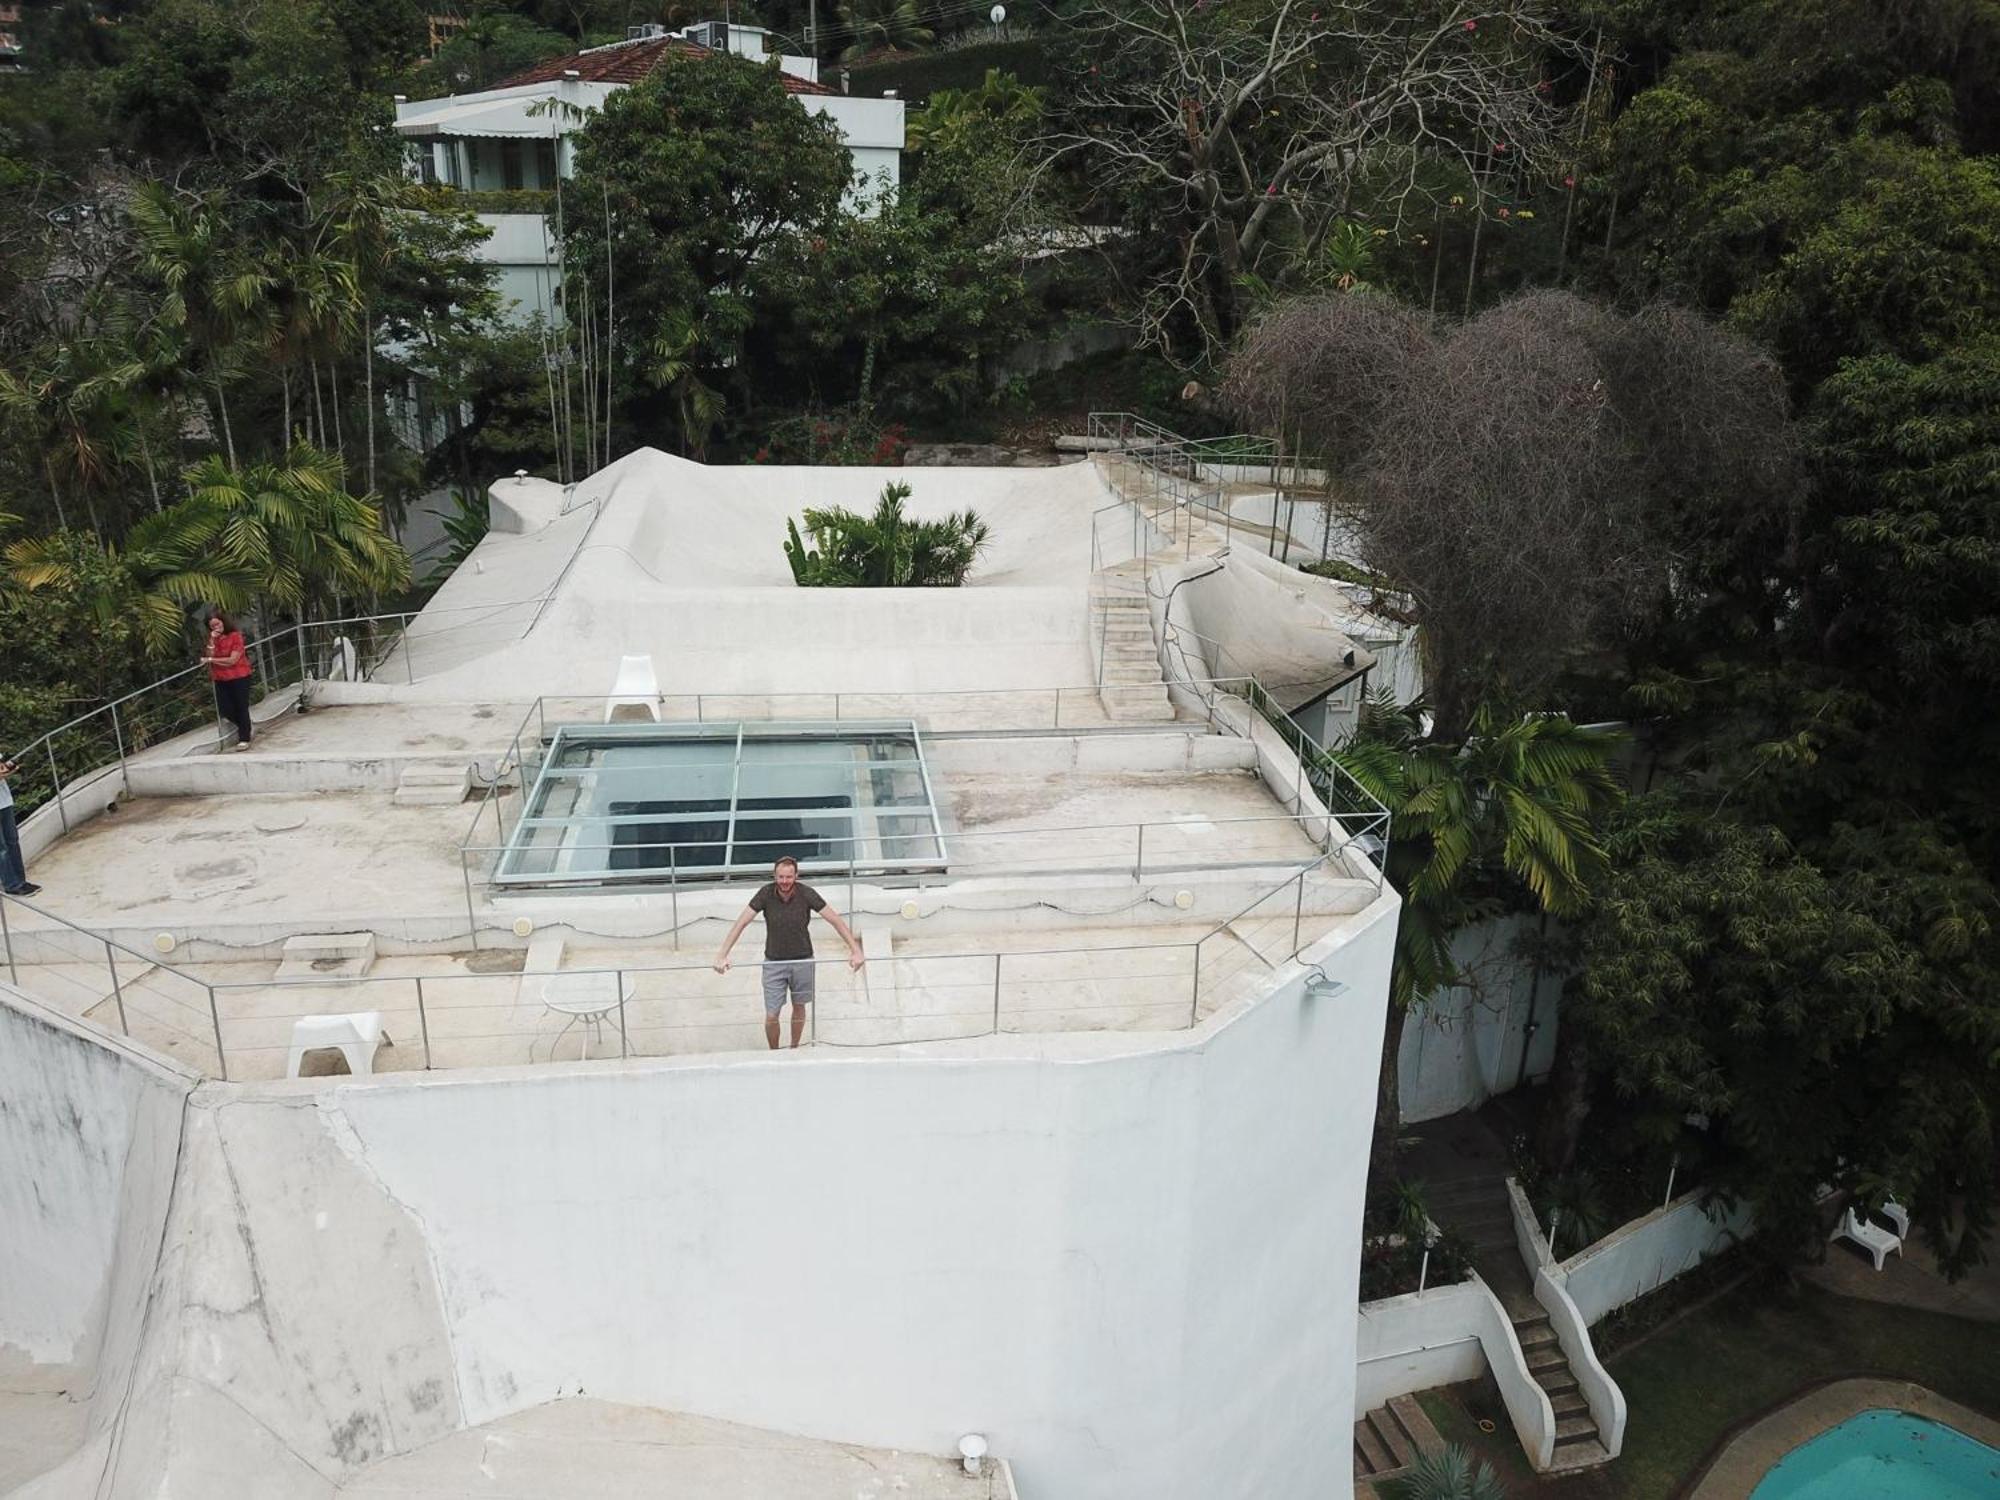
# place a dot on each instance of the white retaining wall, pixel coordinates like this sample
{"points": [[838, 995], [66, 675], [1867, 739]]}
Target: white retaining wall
{"points": [[1417, 1341], [1471, 1042], [1648, 1253]]}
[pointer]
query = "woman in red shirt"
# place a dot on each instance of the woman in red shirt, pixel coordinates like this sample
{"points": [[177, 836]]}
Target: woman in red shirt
{"points": [[229, 665]]}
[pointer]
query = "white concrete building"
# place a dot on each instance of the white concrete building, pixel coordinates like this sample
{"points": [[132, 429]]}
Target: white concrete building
{"points": [[515, 136], [1075, 1162]]}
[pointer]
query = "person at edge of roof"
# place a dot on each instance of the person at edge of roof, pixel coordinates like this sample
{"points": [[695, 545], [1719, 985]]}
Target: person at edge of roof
{"points": [[787, 904], [13, 868]]}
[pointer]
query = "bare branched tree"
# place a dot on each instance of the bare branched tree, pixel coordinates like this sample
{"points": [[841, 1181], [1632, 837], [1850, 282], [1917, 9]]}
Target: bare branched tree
{"points": [[1535, 477], [1246, 132]]}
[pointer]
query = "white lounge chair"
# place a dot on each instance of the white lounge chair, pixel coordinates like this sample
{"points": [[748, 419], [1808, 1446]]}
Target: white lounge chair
{"points": [[635, 687], [1873, 1238], [355, 1037]]}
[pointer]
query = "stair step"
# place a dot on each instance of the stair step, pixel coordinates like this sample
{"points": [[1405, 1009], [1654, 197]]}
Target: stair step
{"points": [[1402, 1451], [1534, 1333], [429, 784], [1545, 1357], [1569, 1403], [1555, 1379], [1569, 1429], [1369, 1445], [327, 955], [1410, 1413], [1585, 1453]]}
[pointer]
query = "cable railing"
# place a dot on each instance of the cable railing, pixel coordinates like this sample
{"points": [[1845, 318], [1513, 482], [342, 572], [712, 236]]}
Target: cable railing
{"points": [[893, 999], [244, 1028], [106, 738]]}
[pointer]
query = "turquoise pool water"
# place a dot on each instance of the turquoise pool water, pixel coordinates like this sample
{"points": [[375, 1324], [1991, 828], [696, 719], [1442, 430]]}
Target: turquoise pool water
{"points": [[1885, 1455]]}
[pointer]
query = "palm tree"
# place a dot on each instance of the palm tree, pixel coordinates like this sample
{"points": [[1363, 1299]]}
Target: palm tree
{"points": [[185, 244], [1000, 105], [71, 398], [883, 23], [1451, 1473], [292, 526], [886, 549], [164, 567], [1512, 813], [673, 369]]}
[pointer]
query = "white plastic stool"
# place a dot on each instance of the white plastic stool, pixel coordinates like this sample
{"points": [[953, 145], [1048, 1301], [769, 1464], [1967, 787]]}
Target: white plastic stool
{"points": [[356, 1037]]}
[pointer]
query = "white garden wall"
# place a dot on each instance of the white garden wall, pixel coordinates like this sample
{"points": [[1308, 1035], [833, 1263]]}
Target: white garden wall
{"points": [[1648, 1253], [1467, 1044]]}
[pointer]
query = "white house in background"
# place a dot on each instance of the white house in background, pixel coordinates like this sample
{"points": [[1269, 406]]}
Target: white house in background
{"points": [[516, 135]]}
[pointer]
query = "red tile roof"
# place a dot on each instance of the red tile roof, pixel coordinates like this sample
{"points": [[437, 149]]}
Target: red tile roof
{"points": [[629, 62]]}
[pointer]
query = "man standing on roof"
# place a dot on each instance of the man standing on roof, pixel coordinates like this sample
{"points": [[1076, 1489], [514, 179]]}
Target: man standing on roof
{"points": [[787, 904]]}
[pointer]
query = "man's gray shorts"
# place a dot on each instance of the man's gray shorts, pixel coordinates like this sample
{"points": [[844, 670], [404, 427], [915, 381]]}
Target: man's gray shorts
{"points": [[782, 974]]}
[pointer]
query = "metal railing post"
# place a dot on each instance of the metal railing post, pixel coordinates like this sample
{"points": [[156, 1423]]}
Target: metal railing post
{"points": [[996, 994], [471, 921], [55, 776], [409, 667], [215, 1019], [624, 1048], [1298, 913], [7, 937], [1194, 1000], [674, 890], [1139, 865], [117, 989], [424, 1021], [299, 638], [118, 734]]}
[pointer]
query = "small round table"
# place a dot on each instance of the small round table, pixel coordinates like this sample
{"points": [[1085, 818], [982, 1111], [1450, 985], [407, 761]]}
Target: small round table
{"points": [[587, 997]]}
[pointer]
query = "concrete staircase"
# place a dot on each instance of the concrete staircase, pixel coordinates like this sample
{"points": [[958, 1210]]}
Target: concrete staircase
{"points": [[1121, 625], [429, 784], [1578, 1443], [1389, 1440], [1476, 1206]]}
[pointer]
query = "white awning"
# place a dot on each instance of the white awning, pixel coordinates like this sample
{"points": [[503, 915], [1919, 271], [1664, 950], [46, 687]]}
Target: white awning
{"points": [[506, 118]]}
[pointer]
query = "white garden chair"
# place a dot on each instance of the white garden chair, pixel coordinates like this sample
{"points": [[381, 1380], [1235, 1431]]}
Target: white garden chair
{"points": [[635, 687], [355, 1037], [1873, 1238]]}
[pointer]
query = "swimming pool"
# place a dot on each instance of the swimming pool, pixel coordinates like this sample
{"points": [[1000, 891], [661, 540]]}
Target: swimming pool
{"points": [[1885, 1455]]}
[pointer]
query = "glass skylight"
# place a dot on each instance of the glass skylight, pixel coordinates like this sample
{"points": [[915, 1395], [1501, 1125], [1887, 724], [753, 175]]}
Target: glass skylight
{"points": [[648, 803]]}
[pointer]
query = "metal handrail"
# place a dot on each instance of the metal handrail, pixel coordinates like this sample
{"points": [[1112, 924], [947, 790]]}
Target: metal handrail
{"points": [[110, 946]]}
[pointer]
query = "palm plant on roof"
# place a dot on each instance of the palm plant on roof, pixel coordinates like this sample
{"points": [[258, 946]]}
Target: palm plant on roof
{"points": [[886, 549]]}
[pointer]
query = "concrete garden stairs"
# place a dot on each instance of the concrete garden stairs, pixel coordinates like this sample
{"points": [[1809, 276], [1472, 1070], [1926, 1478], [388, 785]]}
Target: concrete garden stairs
{"points": [[1121, 623], [1389, 1440], [1476, 1207]]}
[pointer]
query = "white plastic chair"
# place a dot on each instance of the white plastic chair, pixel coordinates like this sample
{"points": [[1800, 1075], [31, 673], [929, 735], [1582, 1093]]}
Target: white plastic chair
{"points": [[1897, 1215], [355, 1037], [1873, 1238], [635, 687]]}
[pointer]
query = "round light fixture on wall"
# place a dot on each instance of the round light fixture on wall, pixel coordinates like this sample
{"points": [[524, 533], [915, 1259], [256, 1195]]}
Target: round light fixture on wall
{"points": [[911, 911], [522, 927], [163, 942], [1184, 899]]}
